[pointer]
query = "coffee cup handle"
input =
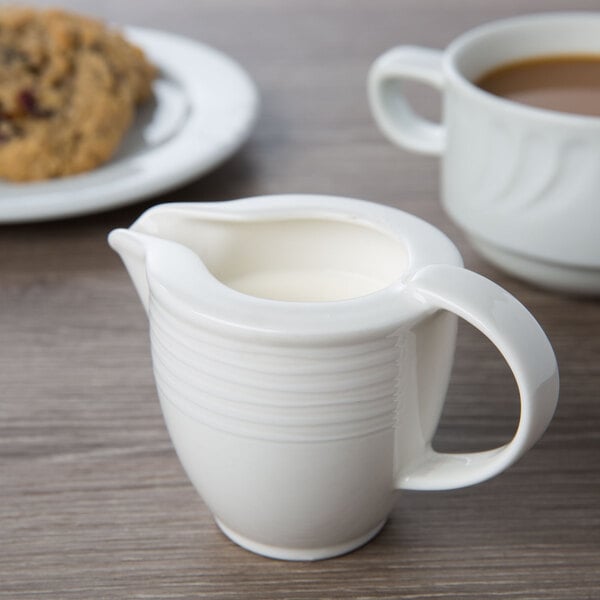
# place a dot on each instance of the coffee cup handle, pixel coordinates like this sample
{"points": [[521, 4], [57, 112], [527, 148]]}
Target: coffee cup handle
{"points": [[526, 349], [390, 106]]}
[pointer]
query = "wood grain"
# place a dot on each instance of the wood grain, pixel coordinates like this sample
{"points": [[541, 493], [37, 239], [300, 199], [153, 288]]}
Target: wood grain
{"points": [[93, 501]]}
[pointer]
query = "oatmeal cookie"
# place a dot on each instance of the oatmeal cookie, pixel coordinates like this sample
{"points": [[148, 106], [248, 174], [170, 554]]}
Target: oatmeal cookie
{"points": [[69, 88]]}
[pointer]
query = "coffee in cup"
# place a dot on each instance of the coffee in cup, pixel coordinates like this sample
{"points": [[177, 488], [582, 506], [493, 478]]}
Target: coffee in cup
{"points": [[567, 83]]}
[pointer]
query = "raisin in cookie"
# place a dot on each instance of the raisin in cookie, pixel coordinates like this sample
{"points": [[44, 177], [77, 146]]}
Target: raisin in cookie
{"points": [[69, 88]]}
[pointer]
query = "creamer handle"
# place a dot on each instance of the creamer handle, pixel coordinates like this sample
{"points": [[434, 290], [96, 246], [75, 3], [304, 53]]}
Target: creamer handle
{"points": [[526, 349]]}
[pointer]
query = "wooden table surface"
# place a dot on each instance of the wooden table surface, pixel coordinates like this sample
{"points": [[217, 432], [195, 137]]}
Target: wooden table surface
{"points": [[93, 501]]}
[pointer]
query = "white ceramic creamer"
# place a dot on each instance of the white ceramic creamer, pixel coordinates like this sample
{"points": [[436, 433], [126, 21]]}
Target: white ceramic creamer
{"points": [[302, 347]]}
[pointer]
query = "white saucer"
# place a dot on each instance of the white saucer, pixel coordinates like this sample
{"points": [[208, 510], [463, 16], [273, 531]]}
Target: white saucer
{"points": [[204, 108], [551, 275]]}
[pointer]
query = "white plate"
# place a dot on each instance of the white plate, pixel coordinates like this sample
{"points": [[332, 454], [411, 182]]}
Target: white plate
{"points": [[204, 108]]}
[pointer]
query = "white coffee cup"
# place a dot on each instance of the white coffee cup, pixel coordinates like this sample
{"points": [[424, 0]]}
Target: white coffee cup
{"points": [[302, 347], [522, 182]]}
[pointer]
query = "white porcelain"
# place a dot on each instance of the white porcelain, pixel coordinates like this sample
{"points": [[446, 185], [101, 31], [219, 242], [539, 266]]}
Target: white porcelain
{"points": [[204, 108], [522, 182], [296, 418]]}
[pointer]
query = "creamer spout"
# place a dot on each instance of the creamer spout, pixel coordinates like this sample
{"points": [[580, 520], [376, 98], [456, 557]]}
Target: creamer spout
{"points": [[132, 247]]}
